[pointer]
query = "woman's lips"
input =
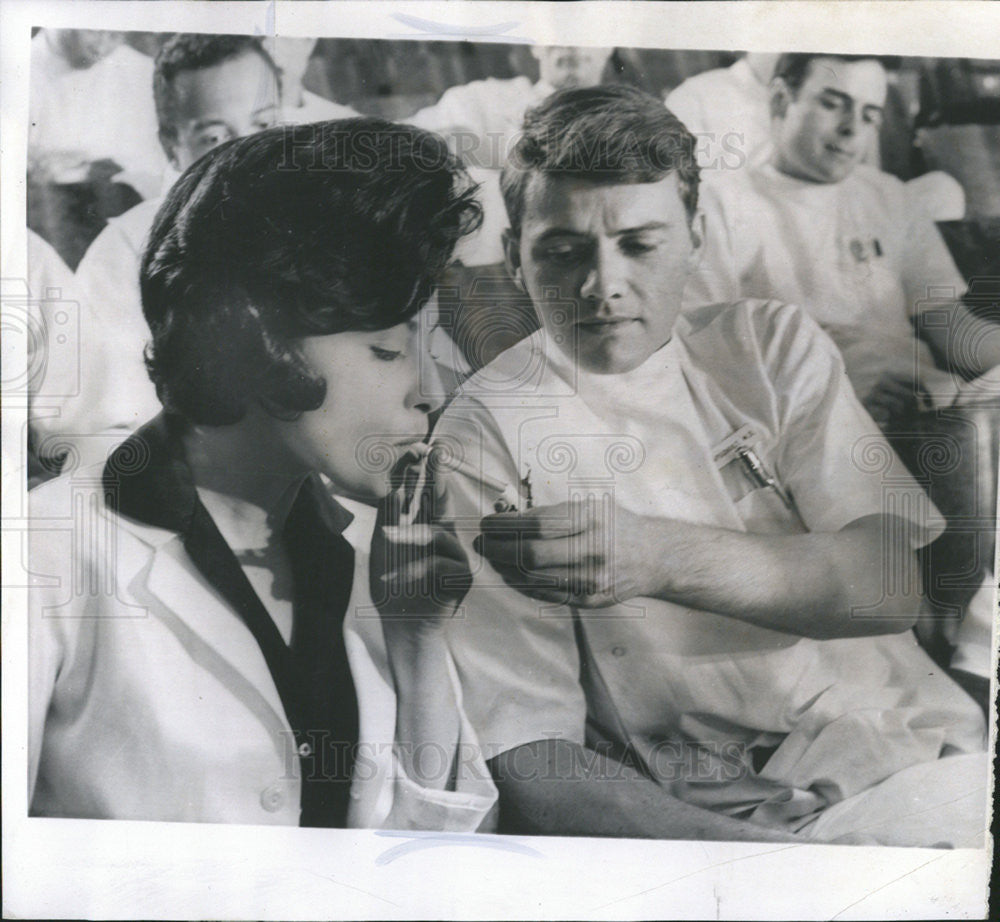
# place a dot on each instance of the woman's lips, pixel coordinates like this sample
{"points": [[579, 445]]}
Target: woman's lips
{"points": [[605, 325]]}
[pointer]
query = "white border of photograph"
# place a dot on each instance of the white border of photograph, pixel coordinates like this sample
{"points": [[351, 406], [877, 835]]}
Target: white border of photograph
{"points": [[106, 869]]}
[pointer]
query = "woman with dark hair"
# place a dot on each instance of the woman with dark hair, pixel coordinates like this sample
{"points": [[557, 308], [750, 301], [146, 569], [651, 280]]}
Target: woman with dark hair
{"points": [[228, 656]]}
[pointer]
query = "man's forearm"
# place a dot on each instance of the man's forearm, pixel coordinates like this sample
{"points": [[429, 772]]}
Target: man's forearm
{"points": [[819, 585], [554, 787]]}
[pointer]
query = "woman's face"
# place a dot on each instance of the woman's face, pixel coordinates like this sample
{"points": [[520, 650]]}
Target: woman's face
{"points": [[380, 387]]}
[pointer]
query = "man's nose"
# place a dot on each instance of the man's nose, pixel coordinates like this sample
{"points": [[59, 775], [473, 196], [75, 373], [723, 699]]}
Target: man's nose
{"points": [[850, 122], [606, 278]]}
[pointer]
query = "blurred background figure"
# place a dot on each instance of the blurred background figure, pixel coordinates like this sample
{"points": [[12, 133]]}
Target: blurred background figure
{"points": [[92, 148], [208, 89], [482, 310], [63, 332], [89, 106], [814, 226], [728, 110], [480, 119], [852, 246], [298, 104]]}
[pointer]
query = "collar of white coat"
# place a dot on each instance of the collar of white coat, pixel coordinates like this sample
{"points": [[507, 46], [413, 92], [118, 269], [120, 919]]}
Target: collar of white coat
{"points": [[148, 483]]}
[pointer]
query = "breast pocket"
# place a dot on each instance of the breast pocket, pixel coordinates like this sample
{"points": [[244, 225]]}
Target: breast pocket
{"points": [[761, 501]]}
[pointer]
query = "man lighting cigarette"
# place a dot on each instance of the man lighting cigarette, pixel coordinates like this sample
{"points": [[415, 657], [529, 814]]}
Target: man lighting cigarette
{"points": [[702, 628]]}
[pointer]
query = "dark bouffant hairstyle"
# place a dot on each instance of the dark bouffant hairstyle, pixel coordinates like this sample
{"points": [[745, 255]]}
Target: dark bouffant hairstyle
{"points": [[793, 69], [293, 232], [605, 134], [192, 51]]}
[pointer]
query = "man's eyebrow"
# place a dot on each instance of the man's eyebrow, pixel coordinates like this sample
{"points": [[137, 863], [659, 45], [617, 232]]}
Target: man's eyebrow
{"points": [[847, 97], [569, 232], [642, 228], [203, 123], [833, 91]]}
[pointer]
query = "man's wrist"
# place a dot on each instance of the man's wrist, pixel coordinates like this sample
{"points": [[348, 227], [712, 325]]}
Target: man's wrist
{"points": [[650, 553]]}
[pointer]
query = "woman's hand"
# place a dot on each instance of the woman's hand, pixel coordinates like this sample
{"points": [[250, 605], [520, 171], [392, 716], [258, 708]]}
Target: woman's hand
{"points": [[419, 573]]}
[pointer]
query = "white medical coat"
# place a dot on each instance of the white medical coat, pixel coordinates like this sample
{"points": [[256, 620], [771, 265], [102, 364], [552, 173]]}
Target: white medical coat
{"points": [[150, 699], [841, 716]]}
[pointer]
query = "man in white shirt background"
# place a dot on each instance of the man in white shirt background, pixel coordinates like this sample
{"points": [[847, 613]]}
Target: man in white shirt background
{"points": [[728, 110], [814, 226], [850, 244], [301, 105], [88, 104], [481, 120]]}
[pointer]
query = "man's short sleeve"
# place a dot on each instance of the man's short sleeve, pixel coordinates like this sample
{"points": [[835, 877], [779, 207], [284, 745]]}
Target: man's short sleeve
{"points": [[519, 668], [929, 272], [831, 455]]}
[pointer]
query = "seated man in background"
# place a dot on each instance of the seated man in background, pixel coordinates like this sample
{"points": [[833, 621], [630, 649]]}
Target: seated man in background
{"points": [[815, 227], [481, 121], [483, 118], [208, 89], [699, 589], [728, 110], [55, 317], [298, 104], [89, 105]]}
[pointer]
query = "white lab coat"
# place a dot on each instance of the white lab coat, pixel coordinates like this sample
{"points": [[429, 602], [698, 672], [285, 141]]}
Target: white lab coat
{"points": [[150, 699]]}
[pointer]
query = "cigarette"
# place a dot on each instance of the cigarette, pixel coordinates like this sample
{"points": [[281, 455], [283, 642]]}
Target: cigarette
{"points": [[448, 462], [414, 497]]}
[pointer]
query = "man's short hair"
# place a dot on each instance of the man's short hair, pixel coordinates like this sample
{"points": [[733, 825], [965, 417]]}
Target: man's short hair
{"points": [[191, 51], [794, 69], [605, 134], [288, 233]]}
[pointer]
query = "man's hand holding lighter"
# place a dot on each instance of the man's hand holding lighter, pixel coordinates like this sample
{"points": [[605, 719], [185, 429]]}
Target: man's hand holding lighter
{"points": [[587, 553]]}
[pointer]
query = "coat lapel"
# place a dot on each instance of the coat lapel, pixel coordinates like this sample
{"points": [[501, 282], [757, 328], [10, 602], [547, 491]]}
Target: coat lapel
{"points": [[194, 575]]}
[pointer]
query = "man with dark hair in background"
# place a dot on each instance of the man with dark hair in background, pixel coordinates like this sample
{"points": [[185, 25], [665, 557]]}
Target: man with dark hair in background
{"points": [[208, 89], [816, 227]]}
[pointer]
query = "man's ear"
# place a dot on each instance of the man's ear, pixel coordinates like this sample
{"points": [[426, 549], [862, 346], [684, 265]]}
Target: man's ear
{"points": [[781, 96], [697, 240], [512, 255], [167, 143]]}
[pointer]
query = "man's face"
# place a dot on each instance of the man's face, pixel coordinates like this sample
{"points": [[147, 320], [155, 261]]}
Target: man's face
{"points": [[821, 132], [216, 104], [374, 410], [562, 67], [83, 48], [622, 253]]}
